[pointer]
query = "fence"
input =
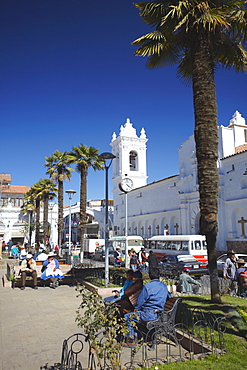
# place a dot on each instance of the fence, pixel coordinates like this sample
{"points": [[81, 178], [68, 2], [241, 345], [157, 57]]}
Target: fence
{"points": [[197, 334]]}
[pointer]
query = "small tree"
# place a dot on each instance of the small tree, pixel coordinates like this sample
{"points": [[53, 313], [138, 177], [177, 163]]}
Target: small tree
{"points": [[102, 325]]}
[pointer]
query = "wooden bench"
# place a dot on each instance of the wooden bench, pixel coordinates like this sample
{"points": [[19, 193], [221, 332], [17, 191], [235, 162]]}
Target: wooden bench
{"points": [[14, 274]]}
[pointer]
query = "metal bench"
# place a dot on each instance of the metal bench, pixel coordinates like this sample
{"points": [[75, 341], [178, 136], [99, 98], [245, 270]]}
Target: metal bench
{"points": [[153, 331]]}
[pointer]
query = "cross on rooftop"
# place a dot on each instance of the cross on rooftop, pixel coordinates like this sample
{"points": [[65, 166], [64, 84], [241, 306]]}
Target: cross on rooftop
{"points": [[242, 221], [176, 227]]}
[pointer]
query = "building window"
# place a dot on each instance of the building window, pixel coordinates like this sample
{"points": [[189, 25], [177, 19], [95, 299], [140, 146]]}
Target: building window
{"points": [[245, 135], [133, 161], [4, 202]]}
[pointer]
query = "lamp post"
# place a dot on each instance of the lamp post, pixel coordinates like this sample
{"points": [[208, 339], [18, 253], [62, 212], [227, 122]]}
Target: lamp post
{"points": [[70, 195], [51, 206], [106, 156]]}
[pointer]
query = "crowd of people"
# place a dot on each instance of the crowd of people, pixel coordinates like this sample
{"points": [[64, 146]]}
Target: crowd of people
{"points": [[28, 255]]}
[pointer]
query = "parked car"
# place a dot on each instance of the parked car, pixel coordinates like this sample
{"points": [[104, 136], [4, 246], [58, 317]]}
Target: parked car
{"points": [[174, 265], [222, 259], [99, 254]]}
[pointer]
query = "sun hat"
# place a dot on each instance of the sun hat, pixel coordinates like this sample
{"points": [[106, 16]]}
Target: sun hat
{"points": [[51, 254], [241, 260], [28, 256]]}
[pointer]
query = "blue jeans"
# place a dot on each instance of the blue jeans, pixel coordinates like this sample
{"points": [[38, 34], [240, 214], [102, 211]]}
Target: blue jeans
{"points": [[134, 267], [112, 299], [147, 315]]}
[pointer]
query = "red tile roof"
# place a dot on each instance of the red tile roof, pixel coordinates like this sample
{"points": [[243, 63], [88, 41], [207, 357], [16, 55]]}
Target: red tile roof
{"points": [[8, 189]]}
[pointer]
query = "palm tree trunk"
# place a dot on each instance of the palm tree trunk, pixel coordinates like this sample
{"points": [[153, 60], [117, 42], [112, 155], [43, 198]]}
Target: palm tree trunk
{"points": [[206, 138], [83, 205], [45, 218], [60, 212], [37, 225]]}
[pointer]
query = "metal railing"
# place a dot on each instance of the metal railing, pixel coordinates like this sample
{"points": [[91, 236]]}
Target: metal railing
{"points": [[196, 334]]}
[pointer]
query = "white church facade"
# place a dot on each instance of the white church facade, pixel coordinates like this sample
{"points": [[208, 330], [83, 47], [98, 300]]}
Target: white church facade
{"points": [[172, 204]]}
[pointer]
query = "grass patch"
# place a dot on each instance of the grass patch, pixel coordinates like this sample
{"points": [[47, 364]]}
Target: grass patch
{"points": [[236, 329], [234, 359]]}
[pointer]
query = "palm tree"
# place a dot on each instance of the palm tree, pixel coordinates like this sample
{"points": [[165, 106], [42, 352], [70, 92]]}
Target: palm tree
{"points": [[45, 190], [59, 171], [84, 157], [198, 36]]}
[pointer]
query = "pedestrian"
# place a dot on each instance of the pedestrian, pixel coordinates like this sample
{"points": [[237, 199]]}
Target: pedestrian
{"points": [[240, 268], [229, 271], [144, 260], [116, 255], [134, 261], [153, 264], [3, 246], [9, 245]]}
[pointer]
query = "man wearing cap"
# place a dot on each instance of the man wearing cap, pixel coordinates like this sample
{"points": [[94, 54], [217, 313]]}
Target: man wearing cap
{"points": [[28, 268], [152, 297]]}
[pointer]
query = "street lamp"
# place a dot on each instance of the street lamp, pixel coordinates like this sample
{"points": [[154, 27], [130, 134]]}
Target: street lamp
{"points": [[106, 156], [70, 195], [51, 206]]}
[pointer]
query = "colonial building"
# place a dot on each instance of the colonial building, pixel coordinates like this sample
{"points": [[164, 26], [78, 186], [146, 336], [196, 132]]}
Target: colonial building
{"points": [[172, 204], [12, 221]]}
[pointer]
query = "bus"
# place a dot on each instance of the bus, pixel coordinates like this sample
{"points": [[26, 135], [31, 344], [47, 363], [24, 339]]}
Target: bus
{"points": [[194, 245], [134, 241]]}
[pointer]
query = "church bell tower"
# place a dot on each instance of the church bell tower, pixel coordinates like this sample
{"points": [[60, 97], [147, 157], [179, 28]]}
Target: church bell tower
{"points": [[130, 152]]}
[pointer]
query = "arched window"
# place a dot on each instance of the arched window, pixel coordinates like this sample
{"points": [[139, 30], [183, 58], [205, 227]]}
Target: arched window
{"points": [[133, 160]]}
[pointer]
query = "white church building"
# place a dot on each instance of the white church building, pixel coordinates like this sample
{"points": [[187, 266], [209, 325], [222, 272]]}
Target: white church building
{"points": [[172, 204]]}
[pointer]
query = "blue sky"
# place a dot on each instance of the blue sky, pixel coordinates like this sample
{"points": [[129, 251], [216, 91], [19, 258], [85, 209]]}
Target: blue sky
{"points": [[68, 76]]}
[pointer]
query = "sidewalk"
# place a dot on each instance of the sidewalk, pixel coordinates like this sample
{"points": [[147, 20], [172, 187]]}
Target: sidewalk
{"points": [[34, 323]]}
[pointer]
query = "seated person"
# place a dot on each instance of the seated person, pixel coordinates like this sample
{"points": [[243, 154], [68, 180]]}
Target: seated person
{"points": [[15, 251], [23, 253], [52, 270], [120, 294], [129, 299], [28, 268], [41, 256], [152, 297], [188, 284]]}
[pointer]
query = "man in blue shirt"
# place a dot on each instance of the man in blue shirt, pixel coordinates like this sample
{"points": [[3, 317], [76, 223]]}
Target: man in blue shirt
{"points": [[152, 297]]}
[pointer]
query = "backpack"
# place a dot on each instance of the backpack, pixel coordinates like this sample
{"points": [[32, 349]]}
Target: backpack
{"points": [[243, 279]]}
